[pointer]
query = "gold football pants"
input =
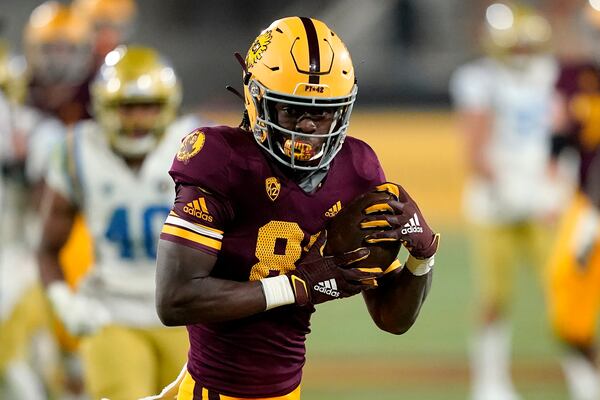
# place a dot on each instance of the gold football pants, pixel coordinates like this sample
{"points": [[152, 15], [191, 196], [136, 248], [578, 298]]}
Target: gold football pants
{"points": [[498, 250], [29, 316], [122, 363], [189, 390]]}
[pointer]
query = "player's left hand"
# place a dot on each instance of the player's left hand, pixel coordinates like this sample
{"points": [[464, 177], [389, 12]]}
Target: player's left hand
{"points": [[79, 314], [399, 219]]}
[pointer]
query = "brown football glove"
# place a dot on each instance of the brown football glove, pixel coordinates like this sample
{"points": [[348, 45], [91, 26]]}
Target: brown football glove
{"points": [[320, 278], [401, 220]]}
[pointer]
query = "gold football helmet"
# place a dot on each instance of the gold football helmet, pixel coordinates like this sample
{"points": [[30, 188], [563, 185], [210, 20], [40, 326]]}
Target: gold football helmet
{"points": [[300, 62], [513, 29], [112, 21], [57, 44], [120, 12], [135, 76]]}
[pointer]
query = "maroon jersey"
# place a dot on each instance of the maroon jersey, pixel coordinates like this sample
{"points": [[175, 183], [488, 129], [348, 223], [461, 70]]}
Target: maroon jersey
{"points": [[580, 86], [234, 203]]}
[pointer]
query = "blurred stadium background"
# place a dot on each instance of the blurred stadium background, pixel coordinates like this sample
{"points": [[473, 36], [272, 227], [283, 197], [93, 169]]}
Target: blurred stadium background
{"points": [[404, 52]]}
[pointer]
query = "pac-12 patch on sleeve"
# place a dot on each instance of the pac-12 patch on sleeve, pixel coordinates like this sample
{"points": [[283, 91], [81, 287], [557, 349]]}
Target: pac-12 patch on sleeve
{"points": [[191, 145]]}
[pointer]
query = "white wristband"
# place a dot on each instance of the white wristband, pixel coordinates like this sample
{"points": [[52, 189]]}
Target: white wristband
{"points": [[419, 267], [278, 291]]}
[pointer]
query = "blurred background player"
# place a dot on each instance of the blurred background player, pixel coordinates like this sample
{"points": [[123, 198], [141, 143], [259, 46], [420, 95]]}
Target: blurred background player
{"points": [[503, 101], [24, 322], [112, 22], [574, 266], [57, 44], [113, 171], [51, 92]]}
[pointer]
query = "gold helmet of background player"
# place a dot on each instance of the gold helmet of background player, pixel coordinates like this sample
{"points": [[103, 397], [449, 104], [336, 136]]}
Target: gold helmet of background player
{"points": [[302, 62], [512, 29], [112, 21], [57, 44], [130, 76], [13, 82]]}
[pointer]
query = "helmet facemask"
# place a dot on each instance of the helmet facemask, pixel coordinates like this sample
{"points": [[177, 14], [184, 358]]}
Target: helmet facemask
{"points": [[57, 45], [60, 62], [136, 126], [291, 147]]}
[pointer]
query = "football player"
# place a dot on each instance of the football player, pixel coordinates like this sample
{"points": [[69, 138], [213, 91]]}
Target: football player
{"points": [[57, 45], [112, 170], [503, 102], [235, 261], [23, 314], [574, 266], [54, 74]]}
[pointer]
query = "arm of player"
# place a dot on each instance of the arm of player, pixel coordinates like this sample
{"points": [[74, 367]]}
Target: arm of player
{"points": [[395, 305], [471, 89], [80, 315], [186, 293], [58, 216], [476, 128]]}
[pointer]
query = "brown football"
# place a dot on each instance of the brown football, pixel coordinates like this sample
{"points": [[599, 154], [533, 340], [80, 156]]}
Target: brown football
{"points": [[344, 233]]}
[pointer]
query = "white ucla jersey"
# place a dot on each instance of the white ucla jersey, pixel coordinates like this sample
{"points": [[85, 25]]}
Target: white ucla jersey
{"points": [[124, 211], [520, 101]]}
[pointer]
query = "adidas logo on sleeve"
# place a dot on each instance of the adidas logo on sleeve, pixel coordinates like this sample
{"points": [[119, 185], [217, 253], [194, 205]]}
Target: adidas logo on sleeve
{"points": [[334, 209], [412, 226], [328, 287], [198, 209]]}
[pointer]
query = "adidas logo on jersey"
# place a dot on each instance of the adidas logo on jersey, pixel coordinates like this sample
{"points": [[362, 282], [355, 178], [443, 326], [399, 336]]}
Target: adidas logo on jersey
{"points": [[198, 209], [334, 209], [412, 226], [328, 287]]}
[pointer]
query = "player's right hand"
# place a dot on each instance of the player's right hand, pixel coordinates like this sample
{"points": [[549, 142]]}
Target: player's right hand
{"points": [[79, 314], [319, 278]]}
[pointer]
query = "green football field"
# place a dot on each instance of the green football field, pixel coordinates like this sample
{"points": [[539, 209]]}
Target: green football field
{"points": [[349, 358]]}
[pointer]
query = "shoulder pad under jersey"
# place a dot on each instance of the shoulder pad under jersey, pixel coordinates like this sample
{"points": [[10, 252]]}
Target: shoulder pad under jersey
{"points": [[363, 159], [204, 159]]}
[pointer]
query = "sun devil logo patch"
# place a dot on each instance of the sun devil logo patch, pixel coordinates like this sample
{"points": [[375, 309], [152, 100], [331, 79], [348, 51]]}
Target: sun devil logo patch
{"points": [[273, 187], [190, 146], [257, 49]]}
